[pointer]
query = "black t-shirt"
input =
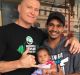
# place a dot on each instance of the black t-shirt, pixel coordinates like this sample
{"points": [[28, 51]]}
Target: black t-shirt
{"points": [[14, 39]]}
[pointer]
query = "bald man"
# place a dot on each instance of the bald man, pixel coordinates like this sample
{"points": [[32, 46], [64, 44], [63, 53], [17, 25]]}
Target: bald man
{"points": [[20, 40]]}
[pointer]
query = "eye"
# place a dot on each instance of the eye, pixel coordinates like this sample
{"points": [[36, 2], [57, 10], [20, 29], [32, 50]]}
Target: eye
{"points": [[50, 24], [36, 9], [58, 25], [28, 7]]}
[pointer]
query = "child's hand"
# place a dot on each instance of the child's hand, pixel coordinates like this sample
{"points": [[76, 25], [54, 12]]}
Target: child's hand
{"points": [[60, 71], [46, 71], [51, 71]]}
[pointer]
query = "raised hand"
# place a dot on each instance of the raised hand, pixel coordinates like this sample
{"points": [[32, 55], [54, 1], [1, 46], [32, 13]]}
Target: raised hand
{"points": [[27, 60]]}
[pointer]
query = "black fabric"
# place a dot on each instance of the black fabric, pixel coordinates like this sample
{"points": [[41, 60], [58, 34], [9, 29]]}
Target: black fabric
{"points": [[11, 37], [56, 15], [73, 64]]}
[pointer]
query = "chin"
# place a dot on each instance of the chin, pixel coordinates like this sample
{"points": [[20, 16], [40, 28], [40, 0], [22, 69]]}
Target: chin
{"points": [[54, 37], [31, 20]]}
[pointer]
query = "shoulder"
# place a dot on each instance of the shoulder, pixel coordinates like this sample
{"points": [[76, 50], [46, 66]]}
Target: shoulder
{"points": [[40, 32], [37, 29], [5, 29], [7, 26]]}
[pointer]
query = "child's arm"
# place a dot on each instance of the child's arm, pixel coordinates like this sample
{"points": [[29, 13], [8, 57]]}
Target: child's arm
{"points": [[60, 71], [53, 69]]}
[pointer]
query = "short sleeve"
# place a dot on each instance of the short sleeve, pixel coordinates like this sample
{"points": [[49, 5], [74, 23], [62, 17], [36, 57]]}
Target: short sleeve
{"points": [[77, 63], [2, 42]]}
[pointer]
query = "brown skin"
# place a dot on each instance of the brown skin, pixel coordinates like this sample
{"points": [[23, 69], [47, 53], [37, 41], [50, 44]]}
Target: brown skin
{"points": [[55, 31]]}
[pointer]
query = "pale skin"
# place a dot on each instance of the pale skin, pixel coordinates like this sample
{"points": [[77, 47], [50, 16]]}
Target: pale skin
{"points": [[43, 57], [28, 13], [20, 63]]}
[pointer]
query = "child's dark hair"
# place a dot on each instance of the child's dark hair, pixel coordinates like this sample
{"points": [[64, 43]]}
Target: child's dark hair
{"points": [[41, 49]]}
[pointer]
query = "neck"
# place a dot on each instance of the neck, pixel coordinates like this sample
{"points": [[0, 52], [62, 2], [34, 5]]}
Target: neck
{"points": [[54, 42], [23, 24]]}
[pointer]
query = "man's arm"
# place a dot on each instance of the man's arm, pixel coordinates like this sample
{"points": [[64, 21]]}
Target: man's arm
{"points": [[8, 66], [26, 61], [74, 74], [76, 64], [74, 45]]}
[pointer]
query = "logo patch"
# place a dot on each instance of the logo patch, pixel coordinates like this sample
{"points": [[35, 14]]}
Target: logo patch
{"points": [[29, 40]]}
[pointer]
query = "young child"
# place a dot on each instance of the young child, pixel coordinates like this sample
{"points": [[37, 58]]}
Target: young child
{"points": [[46, 65]]}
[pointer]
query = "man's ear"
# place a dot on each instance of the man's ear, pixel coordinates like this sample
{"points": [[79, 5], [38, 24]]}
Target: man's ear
{"points": [[19, 8], [46, 26], [62, 30]]}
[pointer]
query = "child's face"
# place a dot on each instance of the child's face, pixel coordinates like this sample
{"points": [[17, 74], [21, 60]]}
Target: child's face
{"points": [[43, 56]]}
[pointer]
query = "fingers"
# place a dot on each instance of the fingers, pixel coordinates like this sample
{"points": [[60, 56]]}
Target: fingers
{"points": [[36, 66], [27, 60], [46, 72], [74, 45], [60, 70], [67, 43], [26, 51], [71, 47], [74, 48]]}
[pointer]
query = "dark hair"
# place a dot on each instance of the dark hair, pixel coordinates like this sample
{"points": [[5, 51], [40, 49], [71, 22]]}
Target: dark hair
{"points": [[43, 49], [56, 15]]}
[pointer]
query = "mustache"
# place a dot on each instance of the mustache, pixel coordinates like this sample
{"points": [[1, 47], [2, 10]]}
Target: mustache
{"points": [[54, 31]]}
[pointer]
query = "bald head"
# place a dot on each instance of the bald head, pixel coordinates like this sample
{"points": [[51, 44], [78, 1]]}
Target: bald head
{"points": [[27, 0], [28, 11]]}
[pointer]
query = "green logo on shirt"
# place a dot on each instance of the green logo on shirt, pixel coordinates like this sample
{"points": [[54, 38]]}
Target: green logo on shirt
{"points": [[29, 40], [21, 49], [28, 43]]}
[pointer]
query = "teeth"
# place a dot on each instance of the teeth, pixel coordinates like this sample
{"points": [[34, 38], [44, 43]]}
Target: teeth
{"points": [[53, 33]]}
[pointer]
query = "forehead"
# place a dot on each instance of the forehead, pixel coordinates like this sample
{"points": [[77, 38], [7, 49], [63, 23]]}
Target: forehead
{"points": [[43, 51], [55, 21], [34, 3]]}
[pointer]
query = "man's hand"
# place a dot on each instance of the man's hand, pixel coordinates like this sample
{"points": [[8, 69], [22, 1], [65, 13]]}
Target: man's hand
{"points": [[75, 45], [27, 60]]}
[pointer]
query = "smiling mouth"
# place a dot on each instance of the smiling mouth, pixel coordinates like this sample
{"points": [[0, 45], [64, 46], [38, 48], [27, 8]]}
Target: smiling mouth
{"points": [[31, 16], [54, 33]]}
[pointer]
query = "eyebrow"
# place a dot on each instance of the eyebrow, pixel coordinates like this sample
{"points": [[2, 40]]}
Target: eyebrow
{"points": [[56, 24]]}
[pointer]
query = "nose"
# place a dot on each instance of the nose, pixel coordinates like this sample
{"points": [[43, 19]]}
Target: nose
{"points": [[42, 58], [33, 12], [54, 27]]}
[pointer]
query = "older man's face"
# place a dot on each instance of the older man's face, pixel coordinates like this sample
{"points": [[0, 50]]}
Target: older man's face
{"points": [[29, 11]]}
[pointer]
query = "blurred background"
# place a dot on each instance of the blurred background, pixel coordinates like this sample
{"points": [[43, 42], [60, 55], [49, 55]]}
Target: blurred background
{"points": [[70, 8]]}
